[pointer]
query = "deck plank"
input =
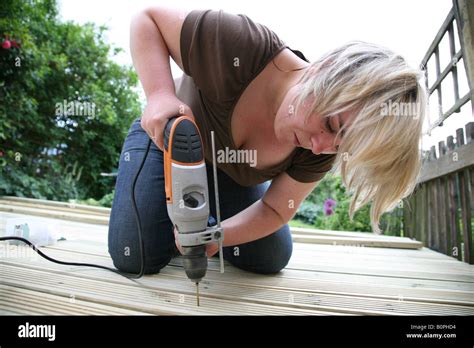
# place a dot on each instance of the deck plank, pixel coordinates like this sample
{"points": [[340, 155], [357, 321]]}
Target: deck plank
{"points": [[27, 302], [321, 279], [174, 281], [273, 291], [101, 257]]}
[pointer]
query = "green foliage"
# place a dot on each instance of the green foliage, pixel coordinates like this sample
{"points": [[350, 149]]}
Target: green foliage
{"points": [[298, 223], [46, 151], [312, 210], [340, 221], [308, 212], [105, 201]]}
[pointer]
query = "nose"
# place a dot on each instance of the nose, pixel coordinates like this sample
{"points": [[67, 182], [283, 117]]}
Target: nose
{"points": [[324, 144]]}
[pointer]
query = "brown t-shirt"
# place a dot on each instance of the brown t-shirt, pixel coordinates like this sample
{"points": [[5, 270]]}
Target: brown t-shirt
{"points": [[221, 54]]}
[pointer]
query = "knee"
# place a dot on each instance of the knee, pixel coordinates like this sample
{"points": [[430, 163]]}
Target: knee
{"points": [[274, 264], [126, 254], [268, 255], [277, 261], [127, 259], [278, 251]]}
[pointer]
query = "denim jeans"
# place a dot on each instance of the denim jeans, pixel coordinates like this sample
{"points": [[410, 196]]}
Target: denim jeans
{"points": [[266, 255]]}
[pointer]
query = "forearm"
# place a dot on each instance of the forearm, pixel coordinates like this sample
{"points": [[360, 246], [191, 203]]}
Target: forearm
{"points": [[150, 56], [255, 222]]}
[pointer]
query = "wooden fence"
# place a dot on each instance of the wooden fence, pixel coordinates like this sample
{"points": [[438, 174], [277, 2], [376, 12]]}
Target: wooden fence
{"points": [[439, 212]]}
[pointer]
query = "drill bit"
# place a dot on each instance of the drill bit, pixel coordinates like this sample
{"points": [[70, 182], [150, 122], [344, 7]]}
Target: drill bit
{"points": [[197, 293]]}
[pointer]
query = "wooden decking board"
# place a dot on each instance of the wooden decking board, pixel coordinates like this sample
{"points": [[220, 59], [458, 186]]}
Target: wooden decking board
{"points": [[452, 265], [300, 249], [321, 279], [463, 276], [365, 241], [53, 204], [395, 292], [25, 301], [349, 279], [139, 297], [387, 265], [295, 299], [73, 214], [371, 271], [329, 264], [220, 289], [56, 214], [361, 261], [344, 249], [317, 232], [79, 247], [410, 256], [237, 292], [380, 269], [80, 209], [82, 213]]}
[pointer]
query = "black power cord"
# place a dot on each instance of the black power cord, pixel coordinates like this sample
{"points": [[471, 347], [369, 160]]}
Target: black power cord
{"points": [[140, 239]]}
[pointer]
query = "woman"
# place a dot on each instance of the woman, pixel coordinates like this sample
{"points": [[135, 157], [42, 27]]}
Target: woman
{"points": [[301, 119]]}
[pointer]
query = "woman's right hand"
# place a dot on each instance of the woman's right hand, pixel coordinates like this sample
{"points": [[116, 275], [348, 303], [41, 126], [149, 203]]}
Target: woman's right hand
{"points": [[158, 111]]}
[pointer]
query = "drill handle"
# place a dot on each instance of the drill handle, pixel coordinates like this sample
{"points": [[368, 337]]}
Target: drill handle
{"points": [[167, 131], [211, 234]]}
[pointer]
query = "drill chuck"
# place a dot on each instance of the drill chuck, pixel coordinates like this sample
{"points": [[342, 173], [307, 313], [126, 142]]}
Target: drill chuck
{"points": [[195, 262]]}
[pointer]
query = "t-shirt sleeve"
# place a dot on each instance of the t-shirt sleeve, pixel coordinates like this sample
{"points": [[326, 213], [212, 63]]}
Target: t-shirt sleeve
{"points": [[308, 167], [222, 52]]}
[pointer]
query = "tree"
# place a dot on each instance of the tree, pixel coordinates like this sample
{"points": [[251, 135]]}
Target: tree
{"points": [[65, 105]]}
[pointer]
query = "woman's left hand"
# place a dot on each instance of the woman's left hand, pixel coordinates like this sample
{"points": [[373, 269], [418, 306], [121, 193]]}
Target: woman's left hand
{"points": [[211, 248]]}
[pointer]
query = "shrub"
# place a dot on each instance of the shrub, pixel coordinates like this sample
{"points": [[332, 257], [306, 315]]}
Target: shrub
{"points": [[45, 151], [308, 212]]}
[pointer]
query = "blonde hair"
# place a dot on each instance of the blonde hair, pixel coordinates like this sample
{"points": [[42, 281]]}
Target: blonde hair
{"points": [[379, 155]]}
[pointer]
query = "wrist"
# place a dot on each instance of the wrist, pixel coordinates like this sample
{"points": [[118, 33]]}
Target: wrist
{"points": [[158, 95], [212, 249]]}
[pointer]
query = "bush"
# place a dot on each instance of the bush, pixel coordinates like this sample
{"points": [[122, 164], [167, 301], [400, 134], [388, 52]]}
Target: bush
{"points": [[313, 210], [105, 201], [308, 212], [339, 221], [47, 150]]}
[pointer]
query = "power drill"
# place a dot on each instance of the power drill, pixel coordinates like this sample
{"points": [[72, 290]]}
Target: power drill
{"points": [[187, 195]]}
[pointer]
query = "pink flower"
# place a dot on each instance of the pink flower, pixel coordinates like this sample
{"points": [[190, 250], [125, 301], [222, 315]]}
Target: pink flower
{"points": [[330, 203], [6, 44], [328, 211]]}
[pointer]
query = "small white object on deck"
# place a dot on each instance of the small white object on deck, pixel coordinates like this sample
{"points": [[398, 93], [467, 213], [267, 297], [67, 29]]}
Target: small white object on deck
{"points": [[40, 232]]}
